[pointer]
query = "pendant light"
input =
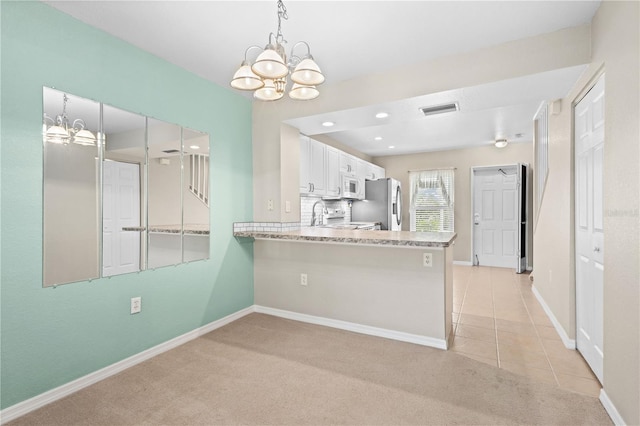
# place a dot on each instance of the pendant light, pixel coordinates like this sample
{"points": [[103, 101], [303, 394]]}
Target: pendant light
{"points": [[267, 76], [59, 131]]}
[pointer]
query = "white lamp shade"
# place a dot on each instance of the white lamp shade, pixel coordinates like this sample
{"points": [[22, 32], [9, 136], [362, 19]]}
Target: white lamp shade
{"points": [[269, 64], [245, 79], [268, 92], [84, 137], [57, 134], [303, 93], [308, 73]]}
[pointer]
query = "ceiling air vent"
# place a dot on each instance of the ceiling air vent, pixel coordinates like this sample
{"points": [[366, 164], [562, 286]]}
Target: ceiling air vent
{"points": [[171, 151], [440, 109]]}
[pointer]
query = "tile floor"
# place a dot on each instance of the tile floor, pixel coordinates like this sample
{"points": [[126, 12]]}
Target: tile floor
{"points": [[499, 321]]}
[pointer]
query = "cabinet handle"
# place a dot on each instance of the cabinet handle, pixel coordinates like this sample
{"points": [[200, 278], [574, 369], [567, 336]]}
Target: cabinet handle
{"points": [[339, 190], [313, 188], [309, 186]]}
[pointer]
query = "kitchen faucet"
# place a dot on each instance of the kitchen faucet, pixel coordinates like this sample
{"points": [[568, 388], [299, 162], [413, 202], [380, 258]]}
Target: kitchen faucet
{"points": [[313, 212]]}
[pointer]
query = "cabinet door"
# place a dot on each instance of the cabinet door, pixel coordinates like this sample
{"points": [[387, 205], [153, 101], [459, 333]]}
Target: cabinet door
{"points": [[333, 172], [377, 172], [347, 163], [305, 178], [317, 169], [361, 173]]}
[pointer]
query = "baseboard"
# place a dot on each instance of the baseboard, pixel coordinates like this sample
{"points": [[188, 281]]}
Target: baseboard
{"points": [[356, 328], [568, 343], [462, 263], [24, 407], [611, 409]]}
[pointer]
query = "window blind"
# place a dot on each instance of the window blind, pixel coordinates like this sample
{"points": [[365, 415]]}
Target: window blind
{"points": [[432, 200]]}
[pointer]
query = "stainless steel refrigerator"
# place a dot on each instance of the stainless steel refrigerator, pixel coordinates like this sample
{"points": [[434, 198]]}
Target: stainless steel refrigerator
{"points": [[382, 203]]}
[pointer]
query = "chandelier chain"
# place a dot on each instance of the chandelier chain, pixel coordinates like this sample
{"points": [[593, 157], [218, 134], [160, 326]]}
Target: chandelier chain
{"points": [[282, 14]]}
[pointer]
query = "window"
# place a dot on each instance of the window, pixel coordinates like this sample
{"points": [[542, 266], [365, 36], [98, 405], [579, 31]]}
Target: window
{"points": [[432, 200], [541, 141]]}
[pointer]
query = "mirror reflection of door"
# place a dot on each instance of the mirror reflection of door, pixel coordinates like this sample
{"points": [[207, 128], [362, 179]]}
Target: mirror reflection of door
{"points": [[165, 193], [196, 195], [120, 210], [123, 165]]}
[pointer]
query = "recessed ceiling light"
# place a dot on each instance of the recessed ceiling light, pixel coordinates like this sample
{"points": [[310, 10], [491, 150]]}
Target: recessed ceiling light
{"points": [[328, 123], [500, 143], [377, 138], [391, 147], [382, 115], [194, 147]]}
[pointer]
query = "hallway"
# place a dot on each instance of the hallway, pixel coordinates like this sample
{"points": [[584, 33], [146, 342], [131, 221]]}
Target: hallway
{"points": [[498, 321]]}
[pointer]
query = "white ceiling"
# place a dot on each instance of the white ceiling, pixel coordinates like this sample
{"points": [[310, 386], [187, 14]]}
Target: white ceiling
{"points": [[503, 109], [347, 38]]}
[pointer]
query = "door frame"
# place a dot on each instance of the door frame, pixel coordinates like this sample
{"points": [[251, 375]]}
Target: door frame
{"points": [[518, 167], [572, 272]]}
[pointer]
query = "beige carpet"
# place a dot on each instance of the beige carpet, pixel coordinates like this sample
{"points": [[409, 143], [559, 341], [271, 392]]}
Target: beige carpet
{"points": [[266, 370]]}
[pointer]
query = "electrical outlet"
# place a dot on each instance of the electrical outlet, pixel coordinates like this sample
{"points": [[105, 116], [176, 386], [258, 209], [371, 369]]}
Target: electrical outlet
{"points": [[270, 205], [287, 206], [136, 305], [303, 279], [427, 260]]}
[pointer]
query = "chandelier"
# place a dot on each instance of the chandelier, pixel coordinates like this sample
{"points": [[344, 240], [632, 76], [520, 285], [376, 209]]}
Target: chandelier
{"points": [[59, 131], [268, 74]]}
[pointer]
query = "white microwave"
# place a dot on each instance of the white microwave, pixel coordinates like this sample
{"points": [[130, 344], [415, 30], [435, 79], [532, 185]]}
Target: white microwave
{"points": [[349, 186]]}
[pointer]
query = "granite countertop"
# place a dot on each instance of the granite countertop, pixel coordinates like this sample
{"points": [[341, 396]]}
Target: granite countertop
{"points": [[357, 236], [189, 228]]}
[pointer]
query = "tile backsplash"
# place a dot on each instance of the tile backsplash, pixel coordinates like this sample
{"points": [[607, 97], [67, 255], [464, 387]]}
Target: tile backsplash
{"points": [[306, 204]]}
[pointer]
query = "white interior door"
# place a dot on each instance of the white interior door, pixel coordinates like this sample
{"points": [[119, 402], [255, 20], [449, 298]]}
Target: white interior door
{"points": [[589, 235], [495, 216], [120, 208]]}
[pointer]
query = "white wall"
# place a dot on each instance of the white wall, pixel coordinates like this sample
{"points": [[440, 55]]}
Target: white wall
{"points": [[615, 49], [463, 160]]}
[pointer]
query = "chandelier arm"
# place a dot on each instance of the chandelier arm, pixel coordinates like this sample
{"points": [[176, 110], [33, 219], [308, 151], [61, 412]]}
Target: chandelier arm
{"points": [[80, 123], [295, 59], [246, 52]]}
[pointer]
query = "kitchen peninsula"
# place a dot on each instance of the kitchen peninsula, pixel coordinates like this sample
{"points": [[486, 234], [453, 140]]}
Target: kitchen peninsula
{"points": [[394, 284]]}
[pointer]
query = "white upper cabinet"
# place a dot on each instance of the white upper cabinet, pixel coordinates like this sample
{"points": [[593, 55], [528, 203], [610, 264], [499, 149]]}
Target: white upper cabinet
{"points": [[312, 167], [375, 172], [348, 163], [322, 168], [333, 172], [362, 168]]}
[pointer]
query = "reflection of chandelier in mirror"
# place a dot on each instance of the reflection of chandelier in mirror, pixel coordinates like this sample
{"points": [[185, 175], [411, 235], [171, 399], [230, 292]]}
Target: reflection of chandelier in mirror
{"points": [[59, 130], [268, 74]]}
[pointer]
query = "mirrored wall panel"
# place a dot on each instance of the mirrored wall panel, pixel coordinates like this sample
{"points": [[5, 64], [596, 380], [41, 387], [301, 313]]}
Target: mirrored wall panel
{"points": [[196, 195], [71, 178], [123, 171], [165, 193], [122, 192]]}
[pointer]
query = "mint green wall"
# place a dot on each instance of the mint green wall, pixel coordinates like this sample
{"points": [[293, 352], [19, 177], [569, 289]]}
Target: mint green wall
{"points": [[55, 335]]}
